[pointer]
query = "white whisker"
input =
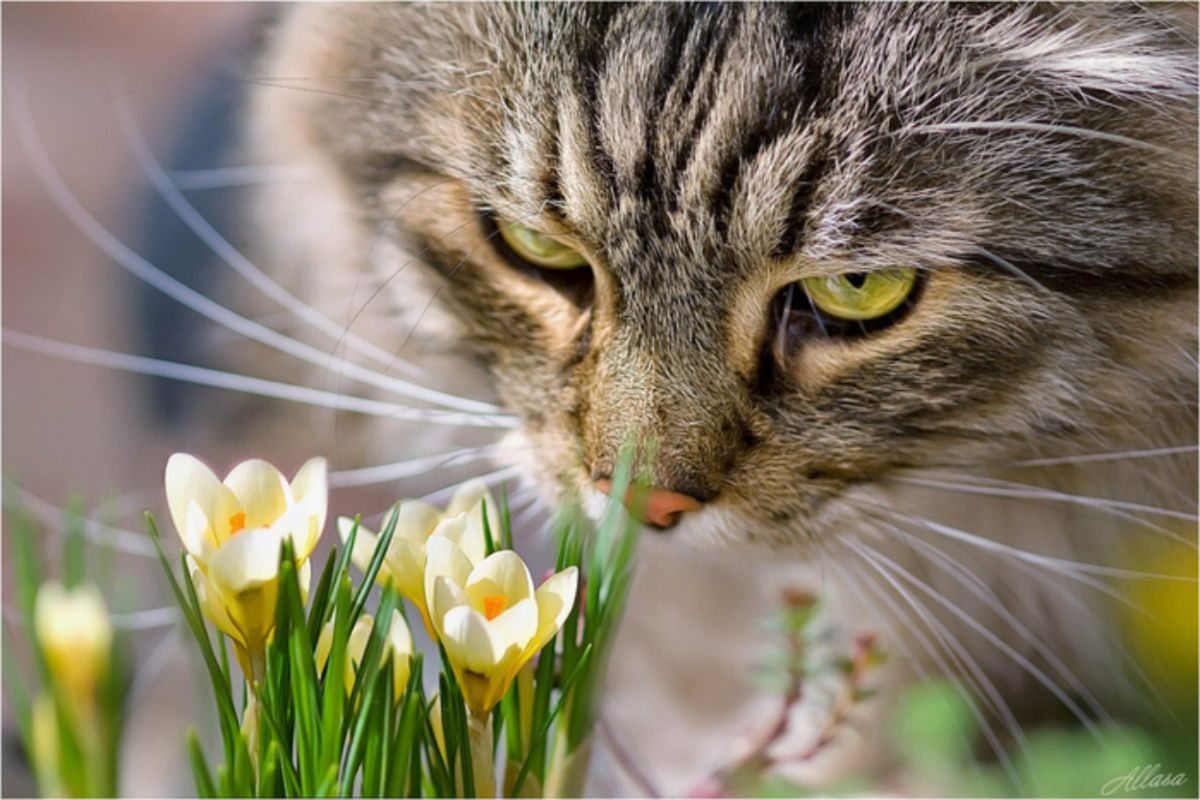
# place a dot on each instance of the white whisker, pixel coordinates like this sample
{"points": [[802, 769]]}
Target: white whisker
{"points": [[1035, 127], [242, 383], [962, 575], [951, 648], [982, 630], [203, 229], [1077, 570], [1113, 456], [440, 496], [1023, 491], [97, 533], [146, 620], [70, 205], [382, 473]]}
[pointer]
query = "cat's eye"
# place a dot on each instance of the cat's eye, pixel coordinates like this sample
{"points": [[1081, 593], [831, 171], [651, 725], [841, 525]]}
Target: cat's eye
{"points": [[860, 296], [538, 249]]}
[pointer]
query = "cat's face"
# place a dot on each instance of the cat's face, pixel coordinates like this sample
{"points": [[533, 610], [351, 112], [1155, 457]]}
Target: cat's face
{"points": [[1021, 180]]}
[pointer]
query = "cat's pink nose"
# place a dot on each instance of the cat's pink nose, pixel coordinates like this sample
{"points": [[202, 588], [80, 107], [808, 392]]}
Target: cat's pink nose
{"points": [[662, 507]]}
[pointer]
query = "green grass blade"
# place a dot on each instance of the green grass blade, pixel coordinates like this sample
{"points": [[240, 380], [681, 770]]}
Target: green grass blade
{"points": [[540, 743], [200, 772], [385, 541], [488, 540], [320, 601]]}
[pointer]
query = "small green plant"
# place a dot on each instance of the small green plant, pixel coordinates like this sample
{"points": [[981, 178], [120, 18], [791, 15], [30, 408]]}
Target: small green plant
{"points": [[330, 699], [71, 713]]}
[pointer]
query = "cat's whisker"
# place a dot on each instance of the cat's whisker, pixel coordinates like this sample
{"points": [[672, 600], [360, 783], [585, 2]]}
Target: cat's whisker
{"points": [[245, 384], [240, 264], [97, 533], [965, 674], [1081, 571], [384, 473], [1021, 491], [968, 580], [187, 213], [1034, 127], [1004, 647], [1116, 455], [199, 180], [415, 258], [1011, 268], [439, 496], [446, 280], [132, 621], [70, 205]]}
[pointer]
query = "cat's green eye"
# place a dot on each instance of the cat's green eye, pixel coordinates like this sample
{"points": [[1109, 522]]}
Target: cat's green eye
{"points": [[861, 295], [539, 249]]}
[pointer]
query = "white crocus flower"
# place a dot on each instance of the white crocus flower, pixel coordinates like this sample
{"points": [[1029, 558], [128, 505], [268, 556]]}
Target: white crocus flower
{"points": [[75, 635], [398, 647], [233, 531], [489, 618], [404, 564]]}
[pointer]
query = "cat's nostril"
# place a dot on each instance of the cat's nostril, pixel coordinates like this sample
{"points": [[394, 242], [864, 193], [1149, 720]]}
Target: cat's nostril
{"points": [[661, 508]]}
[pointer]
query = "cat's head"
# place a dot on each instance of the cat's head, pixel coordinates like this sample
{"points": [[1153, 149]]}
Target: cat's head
{"points": [[798, 246]]}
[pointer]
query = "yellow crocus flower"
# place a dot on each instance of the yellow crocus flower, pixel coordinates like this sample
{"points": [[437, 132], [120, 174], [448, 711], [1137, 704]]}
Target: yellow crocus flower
{"points": [[489, 618], [398, 647], [75, 634], [233, 531], [404, 564]]}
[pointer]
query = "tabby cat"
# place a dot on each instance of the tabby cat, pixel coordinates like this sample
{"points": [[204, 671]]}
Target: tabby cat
{"points": [[905, 295]]}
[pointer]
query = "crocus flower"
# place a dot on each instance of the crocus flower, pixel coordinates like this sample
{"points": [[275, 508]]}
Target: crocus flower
{"points": [[404, 564], [233, 531], [489, 618], [75, 634], [398, 646]]}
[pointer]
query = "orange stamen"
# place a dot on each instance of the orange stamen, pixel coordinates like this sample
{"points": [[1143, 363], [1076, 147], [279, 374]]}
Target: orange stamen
{"points": [[493, 605], [237, 522]]}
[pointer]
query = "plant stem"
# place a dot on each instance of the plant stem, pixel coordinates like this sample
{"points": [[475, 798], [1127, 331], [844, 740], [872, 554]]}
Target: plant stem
{"points": [[483, 767], [568, 770]]}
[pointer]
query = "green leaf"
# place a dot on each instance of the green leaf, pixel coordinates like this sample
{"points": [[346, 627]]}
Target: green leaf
{"points": [[333, 701], [316, 615], [489, 542], [385, 541], [540, 742], [191, 612], [200, 772], [506, 536]]}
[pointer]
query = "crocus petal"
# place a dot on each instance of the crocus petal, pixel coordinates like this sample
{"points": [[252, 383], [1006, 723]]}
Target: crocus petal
{"points": [[443, 558], [261, 491], [465, 531], [197, 534], [417, 521], [360, 635], [211, 603], [445, 595], [310, 491], [188, 480], [555, 599], [469, 640], [400, 643], [504, 573], [468, 496], [365, 542], [246, 560], [516, 626], [324, 645]]}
